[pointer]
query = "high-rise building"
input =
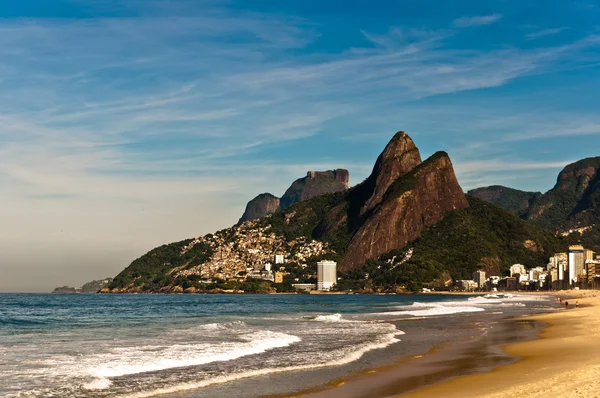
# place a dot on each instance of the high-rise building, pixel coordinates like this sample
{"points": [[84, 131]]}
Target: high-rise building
{"points": [[479, 278], [327, 275], [576, 262], [588, 255]]}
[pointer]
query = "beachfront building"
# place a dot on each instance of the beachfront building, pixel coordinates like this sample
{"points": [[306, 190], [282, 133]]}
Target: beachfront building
{"points": [[466, 285], [593, 273], [517, 269], [576, 264], [588, 255], [327, 275], [304, 287], [479, 278]]}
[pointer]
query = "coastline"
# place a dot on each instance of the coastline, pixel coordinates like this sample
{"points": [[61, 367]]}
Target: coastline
{"points": [[559, 357], [563, 361], [479, 353]]}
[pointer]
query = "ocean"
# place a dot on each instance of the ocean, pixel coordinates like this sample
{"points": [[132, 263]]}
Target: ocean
{"points": [[217, 345]]}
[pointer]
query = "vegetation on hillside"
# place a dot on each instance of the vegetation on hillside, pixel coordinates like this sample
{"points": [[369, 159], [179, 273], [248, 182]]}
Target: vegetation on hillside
{"points": [[513, 200], [464, 241], [574, 201], [153, 268]]}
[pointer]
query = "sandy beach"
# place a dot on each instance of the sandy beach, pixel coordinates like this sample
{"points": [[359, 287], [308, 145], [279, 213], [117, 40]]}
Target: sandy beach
{"points": [[563, 362], [561, 359]]}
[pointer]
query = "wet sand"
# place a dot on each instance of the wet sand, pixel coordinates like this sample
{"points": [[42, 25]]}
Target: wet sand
{"points": [[563, 362], [481, 354], [557, 354]]}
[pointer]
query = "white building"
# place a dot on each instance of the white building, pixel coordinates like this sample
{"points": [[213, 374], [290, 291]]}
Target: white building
{"points": [[327, 275], [279, 259], [517, 269], [576, 262]]}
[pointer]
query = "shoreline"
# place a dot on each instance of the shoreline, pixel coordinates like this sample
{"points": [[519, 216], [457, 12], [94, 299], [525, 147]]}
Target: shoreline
{"points": [[558, 358], [563, 360], [441, 363]]}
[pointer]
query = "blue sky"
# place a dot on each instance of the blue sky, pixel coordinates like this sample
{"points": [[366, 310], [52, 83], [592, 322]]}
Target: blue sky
{"points": [[127, 124]]}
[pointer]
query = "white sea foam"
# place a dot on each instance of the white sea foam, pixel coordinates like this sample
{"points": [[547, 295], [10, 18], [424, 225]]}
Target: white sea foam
{"points": [[329, 318], [152, 358], [427, 309], [98, 384], [353, 354]]}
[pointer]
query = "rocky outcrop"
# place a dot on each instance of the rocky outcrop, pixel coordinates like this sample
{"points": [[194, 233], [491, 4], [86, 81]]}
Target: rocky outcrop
{"points": [[574, 201], [314, 184], [399, 157], [262, 205], [513, 200], [415, 200]]}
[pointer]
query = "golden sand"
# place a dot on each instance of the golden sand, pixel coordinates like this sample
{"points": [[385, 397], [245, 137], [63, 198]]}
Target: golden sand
{"points": [[564, 362]]}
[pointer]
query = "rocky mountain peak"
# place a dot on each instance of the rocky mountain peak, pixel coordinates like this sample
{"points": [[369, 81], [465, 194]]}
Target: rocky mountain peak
{"points": [[417, 198], [260, 206], [399, 157], [314, 184]]}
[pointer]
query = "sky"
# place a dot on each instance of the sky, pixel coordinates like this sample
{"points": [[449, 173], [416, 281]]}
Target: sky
{"points": [[127, 124]]}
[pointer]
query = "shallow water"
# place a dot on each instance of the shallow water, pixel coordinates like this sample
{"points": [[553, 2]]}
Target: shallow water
{"points": [[144, 345]]}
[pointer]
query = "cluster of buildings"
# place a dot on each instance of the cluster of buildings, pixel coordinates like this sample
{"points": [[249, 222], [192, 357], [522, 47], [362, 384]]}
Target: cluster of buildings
{"points": [[326, 278], [248, 251], [577, 268]]}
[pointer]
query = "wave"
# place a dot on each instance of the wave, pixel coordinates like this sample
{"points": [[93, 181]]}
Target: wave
{"points": [[151, 358], [353, 355], [436, 310], [325, 318]]}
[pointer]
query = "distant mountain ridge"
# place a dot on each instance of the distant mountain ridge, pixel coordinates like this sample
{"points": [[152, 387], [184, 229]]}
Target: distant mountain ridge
{"points": [[571, 208], [314, 184], [573, 202], [513, 200]]}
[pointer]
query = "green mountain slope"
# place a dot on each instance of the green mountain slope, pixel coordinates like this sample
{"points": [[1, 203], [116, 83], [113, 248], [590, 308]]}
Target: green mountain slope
{"points": [[513, 200], [574, 201]]}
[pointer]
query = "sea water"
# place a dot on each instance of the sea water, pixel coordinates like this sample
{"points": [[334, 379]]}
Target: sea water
{"points": [[145, 345]]}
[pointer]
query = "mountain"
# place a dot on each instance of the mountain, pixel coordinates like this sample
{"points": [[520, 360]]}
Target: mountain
{"points": [[314, 184], [481, 236], [513, 200], [263, 204], [409, 217], [574, 202], [407, 197]]}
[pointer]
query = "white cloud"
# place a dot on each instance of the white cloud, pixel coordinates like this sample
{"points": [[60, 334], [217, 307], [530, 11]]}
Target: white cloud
{"points": [[545, 32], [465, 22]]}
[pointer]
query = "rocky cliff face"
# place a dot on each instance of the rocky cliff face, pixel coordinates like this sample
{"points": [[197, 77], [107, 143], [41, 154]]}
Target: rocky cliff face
{"points": [[314, 184], [400, 209], [398, 158], [263, 204], [513, 200], [575, 199]]}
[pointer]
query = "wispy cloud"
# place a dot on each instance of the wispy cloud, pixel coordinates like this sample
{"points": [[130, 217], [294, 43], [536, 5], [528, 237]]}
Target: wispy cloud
{"points": [[545, 32], [465, 22]]}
